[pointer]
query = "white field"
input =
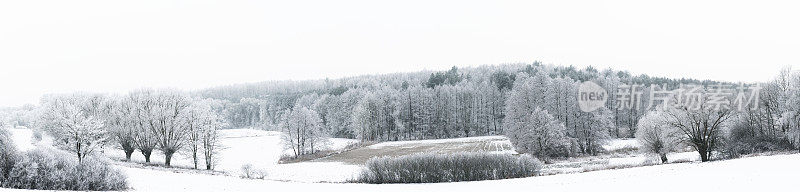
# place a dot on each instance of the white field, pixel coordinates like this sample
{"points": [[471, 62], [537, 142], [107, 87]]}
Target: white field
{"points": [[768, 173], [260, 148], [748, 174], [618, 144]]}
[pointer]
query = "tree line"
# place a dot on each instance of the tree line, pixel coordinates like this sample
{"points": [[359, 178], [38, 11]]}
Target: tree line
{"points": [[146, 120], [459, 102], [498, 100], [533, 104]]}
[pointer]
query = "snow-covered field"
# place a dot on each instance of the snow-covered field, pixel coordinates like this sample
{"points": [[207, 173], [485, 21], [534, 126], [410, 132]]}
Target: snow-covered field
{"points": [[262, 149], [619, 144], [490, 144], [768, 173], [621, 153]]}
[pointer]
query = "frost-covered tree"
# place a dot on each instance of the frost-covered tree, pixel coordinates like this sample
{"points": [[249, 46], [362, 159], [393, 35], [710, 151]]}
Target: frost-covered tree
{"points": [[121, 124], [142, 103], [536, 132], [74, 123], [202, 138], [211, 140], [656, 136], [790, 118], [531, 128], [167, 123], [340, 118], [302, 131], [366, 118], [194, 128]]}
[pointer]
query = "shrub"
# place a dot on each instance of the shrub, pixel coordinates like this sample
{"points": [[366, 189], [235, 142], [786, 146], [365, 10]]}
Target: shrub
{"points": [[50, 169], [37, 135], [435, 168], [743, 140], [250, 172]]}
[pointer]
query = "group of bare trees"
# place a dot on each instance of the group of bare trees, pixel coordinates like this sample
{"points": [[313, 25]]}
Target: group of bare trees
{"points": [[788, 105], [147, 120], [766, 120], [673, 125]]}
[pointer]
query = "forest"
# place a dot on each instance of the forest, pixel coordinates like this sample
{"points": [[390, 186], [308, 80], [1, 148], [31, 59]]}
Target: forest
{"points": [[460, 102]]}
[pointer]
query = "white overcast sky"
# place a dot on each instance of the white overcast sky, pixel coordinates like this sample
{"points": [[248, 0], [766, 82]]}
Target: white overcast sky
{"points": [[115, 46]]}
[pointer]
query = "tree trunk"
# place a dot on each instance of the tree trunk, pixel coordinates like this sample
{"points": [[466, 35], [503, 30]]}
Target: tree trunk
{"points": [[703, 154], [128, 154], [78, 151], [147, 154], [663, 158], [167, 158], [194, 157]]}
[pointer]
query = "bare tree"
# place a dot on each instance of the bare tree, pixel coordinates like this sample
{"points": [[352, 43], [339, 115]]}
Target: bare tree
{"points": [[142, 110], [194, 128], [121, 125], [166, 123], [700, 121], [211, 139]]}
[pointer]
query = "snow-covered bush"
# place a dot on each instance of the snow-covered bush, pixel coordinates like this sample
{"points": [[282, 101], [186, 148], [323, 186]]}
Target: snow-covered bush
{"points": [[37, 135], [744, 139], [250, 172], [8, 154], [50, 169], [435, 168]]}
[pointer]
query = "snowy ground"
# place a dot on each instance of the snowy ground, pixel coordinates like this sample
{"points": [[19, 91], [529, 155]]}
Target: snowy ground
{"points": [[621, 153], [262, 149], [768, 173], [621, 144]]}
